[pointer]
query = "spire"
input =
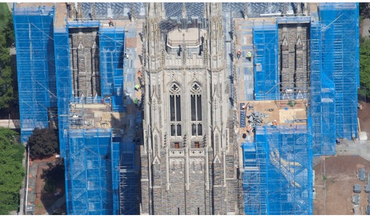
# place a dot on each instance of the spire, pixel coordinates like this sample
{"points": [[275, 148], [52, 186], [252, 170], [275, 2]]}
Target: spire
{"points": [[285, 10], [132, 12], [163, 13], [245, 10], [305, 9], [216, 49], [155, 10], [299, 9], [205, 5], [184, 14], [214, 9]]}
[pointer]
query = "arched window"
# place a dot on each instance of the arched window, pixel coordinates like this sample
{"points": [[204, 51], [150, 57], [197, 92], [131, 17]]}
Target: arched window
{"points": [[196, 110], [175, 109]]}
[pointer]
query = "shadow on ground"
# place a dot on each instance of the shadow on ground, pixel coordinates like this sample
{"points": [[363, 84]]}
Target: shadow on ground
{"points": [[53, 192]]}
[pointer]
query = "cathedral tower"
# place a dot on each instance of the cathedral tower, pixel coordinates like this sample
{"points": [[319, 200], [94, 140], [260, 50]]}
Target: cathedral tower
{"points": [[188, 162]]}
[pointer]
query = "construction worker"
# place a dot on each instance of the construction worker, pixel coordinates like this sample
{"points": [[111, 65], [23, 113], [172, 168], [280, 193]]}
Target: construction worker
{"points": [[249, 55], [238, 54], [111, 22], [249, 128]]}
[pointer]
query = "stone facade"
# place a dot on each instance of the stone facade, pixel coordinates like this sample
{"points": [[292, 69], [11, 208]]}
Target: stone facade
{"points": [[189, 165], [84, 49], [294, 57]]}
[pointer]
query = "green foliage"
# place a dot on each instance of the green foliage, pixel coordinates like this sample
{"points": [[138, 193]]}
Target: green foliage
{"points": [[292, 103], [4, 11], [6, 41], [362, 6], [364, 10], [365, 67], [11, 170], [43, 143]]}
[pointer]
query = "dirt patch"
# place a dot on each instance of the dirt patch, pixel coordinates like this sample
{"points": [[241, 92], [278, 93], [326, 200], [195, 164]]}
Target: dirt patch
{"points": [[364, 116], [40, 207], [45, 199], [340, 176]]}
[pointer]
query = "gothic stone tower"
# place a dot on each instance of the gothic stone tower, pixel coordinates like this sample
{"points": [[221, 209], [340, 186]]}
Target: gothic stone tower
{"points": [[188, 164]]}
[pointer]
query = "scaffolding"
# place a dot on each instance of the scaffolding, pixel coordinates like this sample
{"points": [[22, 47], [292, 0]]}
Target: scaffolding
{"points": [[92, 156], [341, 58], [277, 177], [129, 180], [35, 67], [111, 42], [266, 73], [334, 76], [64, 81], [322, 101], [93, 167]]}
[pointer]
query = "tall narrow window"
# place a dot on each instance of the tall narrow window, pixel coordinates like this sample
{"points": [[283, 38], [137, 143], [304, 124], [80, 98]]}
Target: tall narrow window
{"points": [[193, 108], [193, 130], [173, 130], [175, 110], [199, 107], [178, 108], [172, 107], [200, 129], [196, 110], [178, 129]]}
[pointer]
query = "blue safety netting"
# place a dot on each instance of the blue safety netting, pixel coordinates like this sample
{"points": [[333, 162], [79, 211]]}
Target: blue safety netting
{"points": [[340, 29], [266, 73], [129, 180], [322, 99], [277, 176], [111, 42], [35, 67], [334, 75], [93, 167]]}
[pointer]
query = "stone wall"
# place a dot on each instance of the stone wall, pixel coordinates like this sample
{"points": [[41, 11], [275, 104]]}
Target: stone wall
{"points": [[84, 49], [294, 57]]}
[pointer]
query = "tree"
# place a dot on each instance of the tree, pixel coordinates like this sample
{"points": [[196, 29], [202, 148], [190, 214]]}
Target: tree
{"points": [[11, 170], [43, 143], [365, 67], [364, 10], [9, 31], [6, 41]]}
